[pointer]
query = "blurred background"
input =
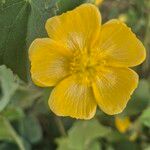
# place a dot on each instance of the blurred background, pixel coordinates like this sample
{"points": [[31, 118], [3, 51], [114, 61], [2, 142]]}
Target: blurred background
{"points": [[26, 122]]}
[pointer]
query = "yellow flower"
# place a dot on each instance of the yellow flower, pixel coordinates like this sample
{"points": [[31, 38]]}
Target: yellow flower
{"points": [[87, 62], [98, 2], [122, 124]]}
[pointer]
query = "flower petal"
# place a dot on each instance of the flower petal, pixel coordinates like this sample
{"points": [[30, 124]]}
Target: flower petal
{"points": [[76, 28], [113, 87], [49, 62], [73, 98], [122, 124], [120, 46]]}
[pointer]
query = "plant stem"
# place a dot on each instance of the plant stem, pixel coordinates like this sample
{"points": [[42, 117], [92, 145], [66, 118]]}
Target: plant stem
{"points": [[14, 134], [60, 126]]}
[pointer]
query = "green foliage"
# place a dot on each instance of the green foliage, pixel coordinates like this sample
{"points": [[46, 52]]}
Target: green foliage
{"points": [[21, 21], [9, 133], [83, 135], [31, 129], [139, 100], [66, 5], [64, 145], [26, 122], [13, 113], [8, 86], [4, 132], [80, 138], [145, 117], [126, 145]]}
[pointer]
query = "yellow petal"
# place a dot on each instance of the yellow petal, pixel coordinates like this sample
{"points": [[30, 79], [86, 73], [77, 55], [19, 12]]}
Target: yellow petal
{"points": [[122, 124], [77, 28], [113, 87], [120, 46], [72, 97], [49, 62]]}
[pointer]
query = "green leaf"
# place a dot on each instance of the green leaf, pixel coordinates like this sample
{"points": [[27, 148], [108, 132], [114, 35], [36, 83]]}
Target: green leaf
{"points": [[7, 132], [95, 145], [40, 11], [115, 136], [84, 132], [63, 144], [21, 21], [83, 136], [13, 27], [139, 99], [25, 96], [66, 5], [142, 92], [13, 113], [145, 117], [126, 145], [4, 132], [109, 147], [8, 146], [31, 129], [147, 147], [8, 86]]}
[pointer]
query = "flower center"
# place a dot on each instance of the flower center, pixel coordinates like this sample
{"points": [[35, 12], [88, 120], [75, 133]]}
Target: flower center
{"points": [[85, 64]]}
